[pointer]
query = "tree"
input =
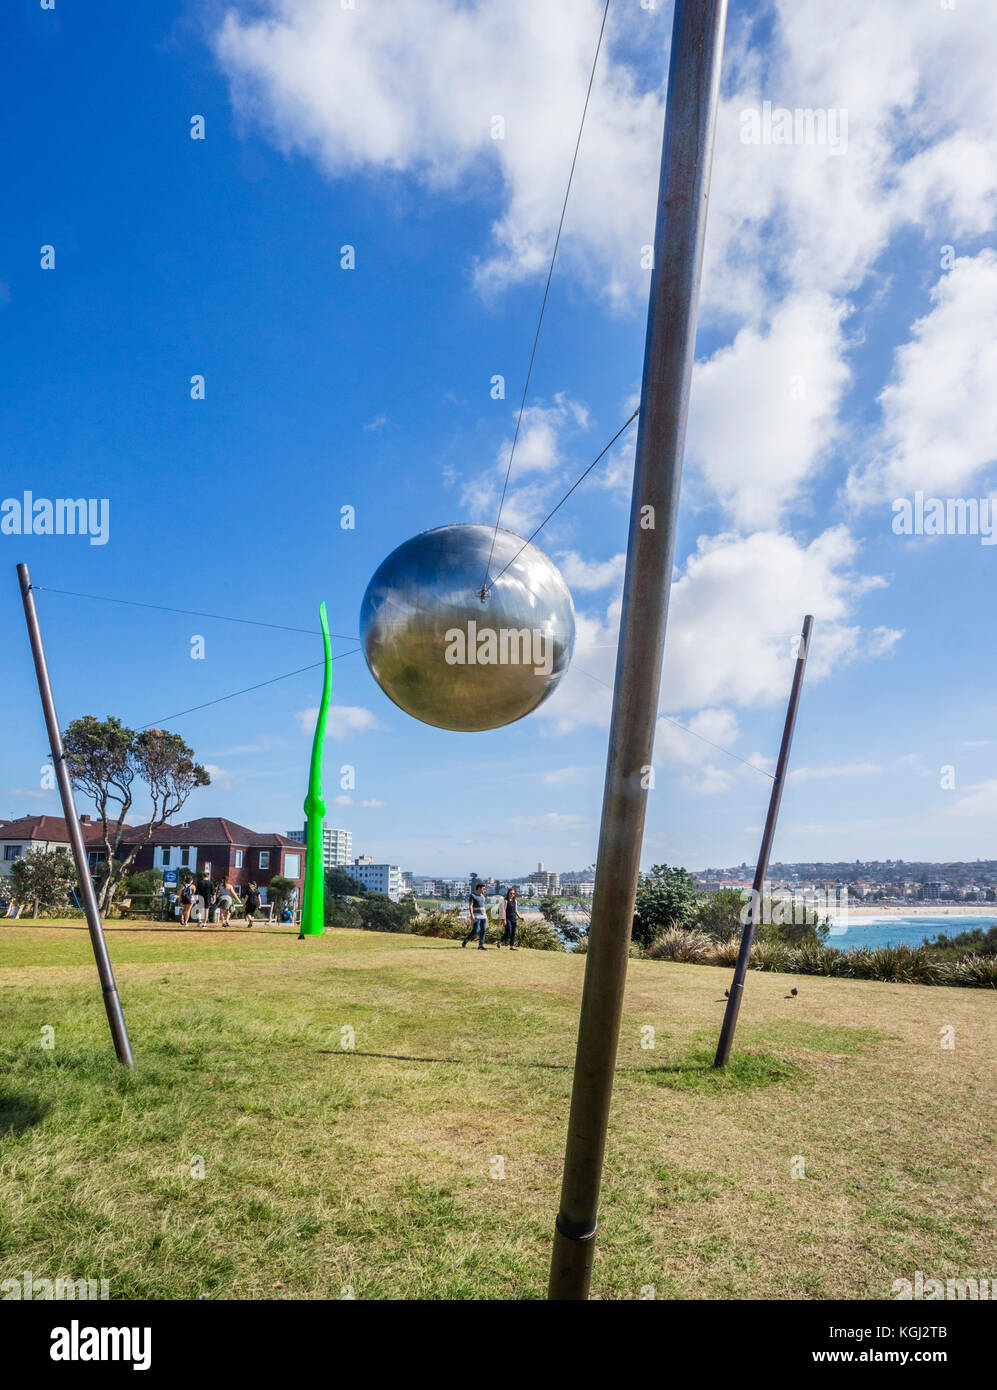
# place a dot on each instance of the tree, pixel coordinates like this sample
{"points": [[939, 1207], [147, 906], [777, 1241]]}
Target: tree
{"points": [[340, 884], [720, 913], [666, 897], [44, 878], [280, 891], [146, 883], [379, 913], [553, 913], [110, 763]]}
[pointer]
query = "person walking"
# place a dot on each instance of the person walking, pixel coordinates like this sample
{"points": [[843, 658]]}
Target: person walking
{"points": [[225, 896], [510, 916], [254, 901], [186, 901], [477, 915], [206, 892]]}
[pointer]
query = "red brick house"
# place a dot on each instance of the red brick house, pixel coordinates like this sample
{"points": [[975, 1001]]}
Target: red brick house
{"points": [[232, 851], [45, 833]]}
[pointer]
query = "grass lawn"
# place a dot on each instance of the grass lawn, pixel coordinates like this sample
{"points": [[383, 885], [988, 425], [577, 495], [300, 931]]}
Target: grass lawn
{"points": [[327, 1170]]}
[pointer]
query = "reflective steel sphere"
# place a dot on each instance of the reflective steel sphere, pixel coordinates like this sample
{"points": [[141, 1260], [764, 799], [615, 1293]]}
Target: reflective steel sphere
{"points": [[451, 660]]}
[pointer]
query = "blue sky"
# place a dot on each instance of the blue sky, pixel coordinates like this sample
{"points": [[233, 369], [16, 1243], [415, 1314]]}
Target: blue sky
{"points": [[845, 359]]}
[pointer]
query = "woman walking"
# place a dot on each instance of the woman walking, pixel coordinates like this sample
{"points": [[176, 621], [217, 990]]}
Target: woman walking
{"points": [[187, 896], [253, 901], [510, 914], [225, 895]]}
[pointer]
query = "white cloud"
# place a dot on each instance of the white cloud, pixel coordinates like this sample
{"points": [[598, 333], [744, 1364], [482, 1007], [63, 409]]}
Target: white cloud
{"points": [[413, 89], [372, 802], [735, 615], [674, 744], [939, 411], [553, 820], [809, 774], [538, 458], [763, 411], [219, 777], [342, 720], [584, 576], [558, 776]]}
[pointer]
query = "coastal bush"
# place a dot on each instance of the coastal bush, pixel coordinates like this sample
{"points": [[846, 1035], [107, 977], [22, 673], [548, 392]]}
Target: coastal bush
{"points": [[813, 958], [725, 952], [536, 936], [687, 945], [909, 965], [973, 972], [770, 955], [445, 925]]}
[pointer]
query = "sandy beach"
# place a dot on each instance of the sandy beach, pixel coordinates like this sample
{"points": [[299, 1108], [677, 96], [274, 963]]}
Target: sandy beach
{"points": [[856, 908]]}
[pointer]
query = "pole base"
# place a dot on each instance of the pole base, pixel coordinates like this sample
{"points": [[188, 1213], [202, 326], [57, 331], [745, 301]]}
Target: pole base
{"points": [[571, 1265]]}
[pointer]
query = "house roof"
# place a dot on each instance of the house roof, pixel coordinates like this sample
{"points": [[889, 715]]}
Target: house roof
{"points": [[210, 830], [51, 828]]}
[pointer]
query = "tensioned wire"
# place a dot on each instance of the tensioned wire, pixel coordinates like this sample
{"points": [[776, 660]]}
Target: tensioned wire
{"points": [[550, 273]]}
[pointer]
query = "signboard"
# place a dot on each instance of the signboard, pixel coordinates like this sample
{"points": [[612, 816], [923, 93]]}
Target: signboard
{"points": [[170, 878]]}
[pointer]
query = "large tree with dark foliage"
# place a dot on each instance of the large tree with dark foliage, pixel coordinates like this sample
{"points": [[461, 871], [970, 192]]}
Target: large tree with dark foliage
{"points": [[110, 764]]}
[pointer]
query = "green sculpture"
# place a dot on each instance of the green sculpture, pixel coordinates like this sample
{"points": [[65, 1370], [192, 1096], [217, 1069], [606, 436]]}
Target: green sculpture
{"points": [[313, 902]]}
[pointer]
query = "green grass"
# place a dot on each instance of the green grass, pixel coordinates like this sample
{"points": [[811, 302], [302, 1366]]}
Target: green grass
{"points": [[371, 1170]]}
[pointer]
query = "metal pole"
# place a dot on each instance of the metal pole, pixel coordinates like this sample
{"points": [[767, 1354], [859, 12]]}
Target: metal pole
{"points": [[762, 867], [693, 90], [112, 1003]]}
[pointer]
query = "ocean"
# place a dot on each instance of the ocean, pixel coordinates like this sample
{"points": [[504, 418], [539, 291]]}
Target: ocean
{"points": [[900, 930]]}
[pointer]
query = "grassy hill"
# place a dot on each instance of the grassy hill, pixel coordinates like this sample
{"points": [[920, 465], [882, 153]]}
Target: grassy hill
{"points": [[328, 1171]]}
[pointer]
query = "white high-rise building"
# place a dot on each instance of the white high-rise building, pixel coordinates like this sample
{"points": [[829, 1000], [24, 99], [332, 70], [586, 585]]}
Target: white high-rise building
{"points": [[337, 845], [378, 878]]}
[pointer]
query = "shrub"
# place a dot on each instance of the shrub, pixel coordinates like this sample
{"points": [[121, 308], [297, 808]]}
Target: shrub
{"points": [[770, 955], [379, 913], [341, 912], [681, 944], [911, 965], [812, 958], [535, 936], [973, 971], [445, 925], [725, 952]]}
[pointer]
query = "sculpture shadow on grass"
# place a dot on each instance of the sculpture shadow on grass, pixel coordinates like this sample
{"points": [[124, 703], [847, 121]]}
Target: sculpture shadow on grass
{"points": [[20, 1112]]}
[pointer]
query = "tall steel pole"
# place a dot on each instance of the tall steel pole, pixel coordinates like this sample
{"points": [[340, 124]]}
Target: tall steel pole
{"points": [[693, 93], [112, 1003], [762, 867]]}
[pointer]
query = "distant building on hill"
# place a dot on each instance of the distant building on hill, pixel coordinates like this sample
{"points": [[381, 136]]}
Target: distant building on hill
{"points": [[337, 845], [546, 882], [377, 878]]}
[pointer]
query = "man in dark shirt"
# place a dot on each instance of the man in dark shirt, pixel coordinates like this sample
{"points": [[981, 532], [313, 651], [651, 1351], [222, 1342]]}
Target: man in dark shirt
{"points": [[206, 892], [479, 919]]}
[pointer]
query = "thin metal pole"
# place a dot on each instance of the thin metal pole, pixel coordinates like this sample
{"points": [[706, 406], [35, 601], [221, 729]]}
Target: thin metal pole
{"points": [[762, 867], [112, 1003], [693, 91]]}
